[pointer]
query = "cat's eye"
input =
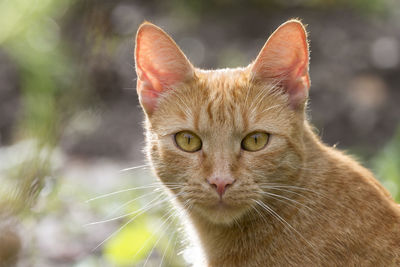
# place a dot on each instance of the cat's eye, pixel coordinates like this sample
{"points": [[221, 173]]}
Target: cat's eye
{"points": [[188, 141], [255, 141]]}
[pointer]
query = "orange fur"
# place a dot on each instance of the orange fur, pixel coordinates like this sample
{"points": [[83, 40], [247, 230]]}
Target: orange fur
{"points": [[321, 208]]}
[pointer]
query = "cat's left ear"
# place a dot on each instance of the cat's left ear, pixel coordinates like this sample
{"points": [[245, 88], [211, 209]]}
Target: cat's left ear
{"points": [[284, 60], [160, 65]]}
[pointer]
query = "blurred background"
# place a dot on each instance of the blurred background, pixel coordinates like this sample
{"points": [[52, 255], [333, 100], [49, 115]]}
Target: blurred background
{"points": [[70, 121]]}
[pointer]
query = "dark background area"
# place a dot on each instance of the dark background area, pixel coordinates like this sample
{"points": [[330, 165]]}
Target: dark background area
{"points": [[70, 119]]}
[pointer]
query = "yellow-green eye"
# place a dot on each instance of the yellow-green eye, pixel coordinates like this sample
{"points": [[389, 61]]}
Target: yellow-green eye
{"points": [[188, 141], [255, 141]]}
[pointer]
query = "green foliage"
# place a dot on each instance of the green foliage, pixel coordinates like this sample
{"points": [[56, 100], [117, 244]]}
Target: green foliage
{"points": [[387, 166], [31, 36], [360, 6]]}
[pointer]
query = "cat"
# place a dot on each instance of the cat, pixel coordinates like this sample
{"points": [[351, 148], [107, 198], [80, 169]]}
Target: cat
{"points": [[256, 183]]}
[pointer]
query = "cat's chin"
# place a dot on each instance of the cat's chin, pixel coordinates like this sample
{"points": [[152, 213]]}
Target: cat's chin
{"points": [[221, 213]]}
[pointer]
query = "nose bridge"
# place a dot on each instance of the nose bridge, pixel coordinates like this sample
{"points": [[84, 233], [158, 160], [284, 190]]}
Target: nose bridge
{"points": [[222, 159], [222, 150], [222, 163]]}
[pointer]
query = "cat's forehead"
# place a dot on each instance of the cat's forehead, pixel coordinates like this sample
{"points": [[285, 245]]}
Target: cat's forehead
{"points": [[223, 79], [223, 93], [222, 100]]}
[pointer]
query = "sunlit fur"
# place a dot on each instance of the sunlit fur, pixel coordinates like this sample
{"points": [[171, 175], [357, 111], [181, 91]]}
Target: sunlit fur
{"points": [[214, 107], [335, 213]]}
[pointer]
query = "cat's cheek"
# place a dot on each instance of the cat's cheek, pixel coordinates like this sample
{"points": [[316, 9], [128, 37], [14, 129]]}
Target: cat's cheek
{"points": [[272, 151], [174, 165], [283, 168], [271, 164], [276, 144]]}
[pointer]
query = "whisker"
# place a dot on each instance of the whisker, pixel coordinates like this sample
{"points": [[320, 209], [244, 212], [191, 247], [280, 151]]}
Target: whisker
{"points": [[157, 190], [247, 95], [171, 213], [135, 167], [278, 186], [262, 91], [129, 221], [238, 224], [273, 107], [286, 190], [138, 212], [114, 233], [158, 240], [265, 92], [157, 185], [259, 213], [283, 221], [133, 200], [165, 251], [276, 197], [170, 254], [186, 109]]}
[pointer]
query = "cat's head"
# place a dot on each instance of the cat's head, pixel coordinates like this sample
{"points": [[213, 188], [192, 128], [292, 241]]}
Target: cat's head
{"points": [[217, 137]]}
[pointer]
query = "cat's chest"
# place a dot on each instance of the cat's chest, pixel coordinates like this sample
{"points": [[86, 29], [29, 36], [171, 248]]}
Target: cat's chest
{"points": [[255, 245], [260, 252]]}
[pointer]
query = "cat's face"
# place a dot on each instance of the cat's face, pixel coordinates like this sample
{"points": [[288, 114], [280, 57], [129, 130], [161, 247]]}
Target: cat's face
{"points": [[217, 137]]}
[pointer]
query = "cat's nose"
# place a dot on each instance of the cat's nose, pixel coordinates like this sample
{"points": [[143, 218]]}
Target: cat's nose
{"points": [[220, 184]]}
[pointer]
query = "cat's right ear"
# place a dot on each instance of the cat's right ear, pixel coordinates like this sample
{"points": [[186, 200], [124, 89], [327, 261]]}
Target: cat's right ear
{"points": [[160, 65], [284, 61]]}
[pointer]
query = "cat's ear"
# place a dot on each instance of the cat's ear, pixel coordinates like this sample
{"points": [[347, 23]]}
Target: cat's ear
{"points": [[284, 60], [160, 65]]}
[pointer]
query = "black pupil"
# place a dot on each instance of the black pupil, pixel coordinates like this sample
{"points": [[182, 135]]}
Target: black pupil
{"points": [[188, 138], [255, 138]]}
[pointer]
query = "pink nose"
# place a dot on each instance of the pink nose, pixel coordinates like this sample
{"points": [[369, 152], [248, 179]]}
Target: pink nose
{"points": [[220, 184]]}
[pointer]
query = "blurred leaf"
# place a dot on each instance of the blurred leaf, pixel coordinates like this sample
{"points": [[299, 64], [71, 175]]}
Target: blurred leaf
{"points": [[387, 166], [31, 36], [131, 245], [360, 6]]}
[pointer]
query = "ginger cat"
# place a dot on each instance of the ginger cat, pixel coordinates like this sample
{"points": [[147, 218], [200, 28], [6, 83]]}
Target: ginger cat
{"points": [[257, 184]]}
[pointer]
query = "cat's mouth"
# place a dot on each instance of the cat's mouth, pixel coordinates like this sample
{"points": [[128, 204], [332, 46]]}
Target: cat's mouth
{"points": [[215, 204], [220, 205], [221, 211], [224, 208]]}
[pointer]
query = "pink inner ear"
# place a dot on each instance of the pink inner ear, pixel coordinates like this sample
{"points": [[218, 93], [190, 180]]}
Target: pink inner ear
{"points": [[160, 64], [285, 58]]}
